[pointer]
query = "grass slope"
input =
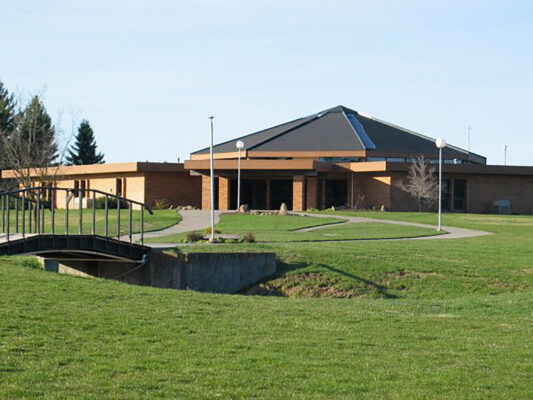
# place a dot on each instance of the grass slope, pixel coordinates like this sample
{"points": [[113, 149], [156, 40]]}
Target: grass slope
{"points": [[444, 319], [159, 220]]}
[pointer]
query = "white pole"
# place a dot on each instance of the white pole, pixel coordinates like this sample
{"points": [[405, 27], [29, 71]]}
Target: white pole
{"points": [[505, 155], [440, 190], [239, 182], [212, 175]]}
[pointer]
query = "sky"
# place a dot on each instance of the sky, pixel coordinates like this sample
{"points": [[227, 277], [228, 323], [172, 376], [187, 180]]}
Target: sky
{"points": [[148, 74]]}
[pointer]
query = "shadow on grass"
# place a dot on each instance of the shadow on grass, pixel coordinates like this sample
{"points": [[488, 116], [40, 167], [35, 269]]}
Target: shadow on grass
{"points": [[267, 287]]}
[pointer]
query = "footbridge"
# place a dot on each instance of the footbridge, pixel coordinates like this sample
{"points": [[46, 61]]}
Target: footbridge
{"points": [[91, 225]]}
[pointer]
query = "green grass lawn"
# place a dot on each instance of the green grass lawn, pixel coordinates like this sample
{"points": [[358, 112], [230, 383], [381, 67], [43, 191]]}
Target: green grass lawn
{"points": [[159, 220], [445, 319], [276, 228]]}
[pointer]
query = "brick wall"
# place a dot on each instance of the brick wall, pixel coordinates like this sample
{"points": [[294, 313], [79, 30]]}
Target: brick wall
{"points": [[312, 194], [374, 190], [400, 199], [206, 192], [178, 188], [298, 193], [223, 194], [482, 190], [134, 188]]}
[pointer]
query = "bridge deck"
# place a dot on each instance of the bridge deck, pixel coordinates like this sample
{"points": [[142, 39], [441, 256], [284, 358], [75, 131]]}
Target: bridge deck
{"points": [[56, 246]]}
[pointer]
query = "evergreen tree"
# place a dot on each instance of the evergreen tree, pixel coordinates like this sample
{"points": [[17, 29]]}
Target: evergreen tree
{"points": [[7, 111], [36, 130], [7, 121], [83, 151]]}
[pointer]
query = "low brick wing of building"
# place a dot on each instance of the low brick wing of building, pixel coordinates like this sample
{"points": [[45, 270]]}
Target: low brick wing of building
{"points": [[145, 182], [339, 157]]}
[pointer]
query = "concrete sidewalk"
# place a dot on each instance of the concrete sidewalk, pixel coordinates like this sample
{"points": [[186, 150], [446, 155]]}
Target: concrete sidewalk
{"points": [[191, 220], [452, 232]]}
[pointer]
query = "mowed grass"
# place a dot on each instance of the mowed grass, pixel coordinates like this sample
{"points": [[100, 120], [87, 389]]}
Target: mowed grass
{"points": [[276, 228], [445, 319], [160, 219]]}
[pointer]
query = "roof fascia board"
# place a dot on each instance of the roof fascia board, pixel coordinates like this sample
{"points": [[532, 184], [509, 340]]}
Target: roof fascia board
{"points": [[304, 164], [309, 154]]}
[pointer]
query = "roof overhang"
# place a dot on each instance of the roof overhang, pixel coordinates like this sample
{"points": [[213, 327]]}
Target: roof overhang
{"points": [[97, 169], [478, 169]]}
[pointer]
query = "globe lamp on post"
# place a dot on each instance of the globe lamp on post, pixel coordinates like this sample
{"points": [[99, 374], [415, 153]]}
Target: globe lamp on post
{"points": [[440, 143]]}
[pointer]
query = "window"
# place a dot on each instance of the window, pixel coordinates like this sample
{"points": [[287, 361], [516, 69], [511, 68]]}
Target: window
{"points": [[459, 195], [83, 188], [120, 187]]}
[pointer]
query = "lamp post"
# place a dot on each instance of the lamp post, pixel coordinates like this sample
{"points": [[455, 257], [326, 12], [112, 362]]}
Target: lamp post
{"points": [[212, 176], [240, 146], [440, 143]]}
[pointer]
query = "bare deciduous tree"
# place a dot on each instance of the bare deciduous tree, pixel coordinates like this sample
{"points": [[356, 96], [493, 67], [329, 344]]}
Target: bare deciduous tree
{"points": [[421, 182], [32, 152]]}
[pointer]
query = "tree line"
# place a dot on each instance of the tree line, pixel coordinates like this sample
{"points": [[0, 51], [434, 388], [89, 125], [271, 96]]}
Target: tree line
{"points": [[28, 139]]}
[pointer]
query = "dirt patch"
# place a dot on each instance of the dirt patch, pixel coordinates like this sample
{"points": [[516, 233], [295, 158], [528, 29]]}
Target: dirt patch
{"points": [[403, 273], [309, 284]]}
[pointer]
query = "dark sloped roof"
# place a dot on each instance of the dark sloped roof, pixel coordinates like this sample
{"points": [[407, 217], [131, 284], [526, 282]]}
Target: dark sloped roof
{"points": [[256, 138], [340, 129], [327, 132]]}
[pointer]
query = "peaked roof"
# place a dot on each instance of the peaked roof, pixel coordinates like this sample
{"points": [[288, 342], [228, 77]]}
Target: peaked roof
{"points": [[340, 129]]}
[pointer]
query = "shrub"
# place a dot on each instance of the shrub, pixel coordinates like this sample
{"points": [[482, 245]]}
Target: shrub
{"points": [[111, 203], [194, 236], [207, 230], [248, 237], [161, 204]]}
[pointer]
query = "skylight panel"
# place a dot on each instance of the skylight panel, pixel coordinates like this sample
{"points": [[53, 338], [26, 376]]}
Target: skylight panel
{"points": [[360, 131]]}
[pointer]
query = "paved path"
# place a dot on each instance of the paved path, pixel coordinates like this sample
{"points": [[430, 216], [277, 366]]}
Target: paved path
{"points": [[191, 220], [452, 232]]}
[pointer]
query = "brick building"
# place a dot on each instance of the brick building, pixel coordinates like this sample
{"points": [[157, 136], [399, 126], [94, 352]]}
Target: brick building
{"points": [[339, 157], [144, 182]]}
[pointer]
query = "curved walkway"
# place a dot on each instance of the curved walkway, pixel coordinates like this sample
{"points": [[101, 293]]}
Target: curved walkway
{"points": [[191, 220], [198, 220], [452, 232]]}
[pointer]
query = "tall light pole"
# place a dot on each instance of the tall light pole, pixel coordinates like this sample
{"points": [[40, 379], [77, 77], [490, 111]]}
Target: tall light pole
{"points": [[240, 146], [212, 176], [440, 143], [469, 137], [505, 155]]}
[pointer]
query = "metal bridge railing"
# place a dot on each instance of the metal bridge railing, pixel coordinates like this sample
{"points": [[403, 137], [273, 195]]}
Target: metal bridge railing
{"points": [[30, 205]]}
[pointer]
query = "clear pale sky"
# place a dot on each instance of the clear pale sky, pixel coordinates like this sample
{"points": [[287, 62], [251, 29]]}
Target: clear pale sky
{"points": [[147, 74]]}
